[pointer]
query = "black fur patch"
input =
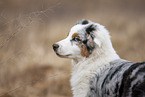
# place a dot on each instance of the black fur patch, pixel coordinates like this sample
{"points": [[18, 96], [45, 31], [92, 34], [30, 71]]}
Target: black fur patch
{"points": [[127, 81], [84, 22], [121, 79], [85, 41], [90, 29]]}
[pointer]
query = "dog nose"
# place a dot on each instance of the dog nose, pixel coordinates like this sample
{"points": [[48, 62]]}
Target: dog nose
{"points": [[55, 47]]}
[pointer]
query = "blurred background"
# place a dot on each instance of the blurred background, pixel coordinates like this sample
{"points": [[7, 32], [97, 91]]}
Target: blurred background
{"points": [[28, 28]]}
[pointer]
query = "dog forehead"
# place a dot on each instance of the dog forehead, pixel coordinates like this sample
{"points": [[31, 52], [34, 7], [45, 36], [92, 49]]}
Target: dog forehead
{"points": [[76, 29]]}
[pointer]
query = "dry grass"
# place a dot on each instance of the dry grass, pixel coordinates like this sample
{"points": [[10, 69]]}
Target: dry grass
{"points": [[28, 65]]}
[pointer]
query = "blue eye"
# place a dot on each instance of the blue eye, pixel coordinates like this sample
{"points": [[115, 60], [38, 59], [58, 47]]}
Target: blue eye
{"points": [[76, 39]]}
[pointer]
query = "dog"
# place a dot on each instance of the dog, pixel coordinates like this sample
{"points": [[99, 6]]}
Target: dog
{"points": [[97, 70]]}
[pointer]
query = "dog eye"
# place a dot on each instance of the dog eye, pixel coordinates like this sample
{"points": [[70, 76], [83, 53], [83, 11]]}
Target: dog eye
{"points": [[76, 39]]}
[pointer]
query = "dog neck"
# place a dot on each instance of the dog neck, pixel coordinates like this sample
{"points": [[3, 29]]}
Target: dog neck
{"points": [[86, 68]]}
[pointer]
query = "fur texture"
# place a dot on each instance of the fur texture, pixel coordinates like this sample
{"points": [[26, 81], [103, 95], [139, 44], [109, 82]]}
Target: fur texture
{"points": [[89, 46]]}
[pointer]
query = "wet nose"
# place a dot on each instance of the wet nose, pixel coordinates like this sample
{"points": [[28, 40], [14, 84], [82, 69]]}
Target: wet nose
{"points": [[55, 47]]}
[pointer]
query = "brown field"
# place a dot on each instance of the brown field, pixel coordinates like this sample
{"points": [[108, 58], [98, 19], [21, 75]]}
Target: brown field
{"points": [[28, 28]]}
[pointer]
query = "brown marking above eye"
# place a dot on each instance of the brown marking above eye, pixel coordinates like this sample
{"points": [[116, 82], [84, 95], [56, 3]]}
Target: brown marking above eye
{"points": [[75, 35]]}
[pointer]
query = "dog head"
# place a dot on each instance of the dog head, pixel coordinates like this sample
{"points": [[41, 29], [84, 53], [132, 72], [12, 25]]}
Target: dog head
{"points": [[83, 39]]}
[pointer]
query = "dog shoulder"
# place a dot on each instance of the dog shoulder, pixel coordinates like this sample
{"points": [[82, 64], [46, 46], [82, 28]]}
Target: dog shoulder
{"points": [[120, 79]]}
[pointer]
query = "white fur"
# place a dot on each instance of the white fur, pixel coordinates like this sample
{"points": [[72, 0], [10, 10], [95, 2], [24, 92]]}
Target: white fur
{"points": [[84, 68]]}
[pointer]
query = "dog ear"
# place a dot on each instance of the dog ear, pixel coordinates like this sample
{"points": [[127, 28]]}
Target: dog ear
{"points": [[91, 32]]}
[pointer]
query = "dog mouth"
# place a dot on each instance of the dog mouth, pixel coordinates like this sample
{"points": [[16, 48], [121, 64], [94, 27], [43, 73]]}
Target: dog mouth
{"points": [[63, 56]]}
